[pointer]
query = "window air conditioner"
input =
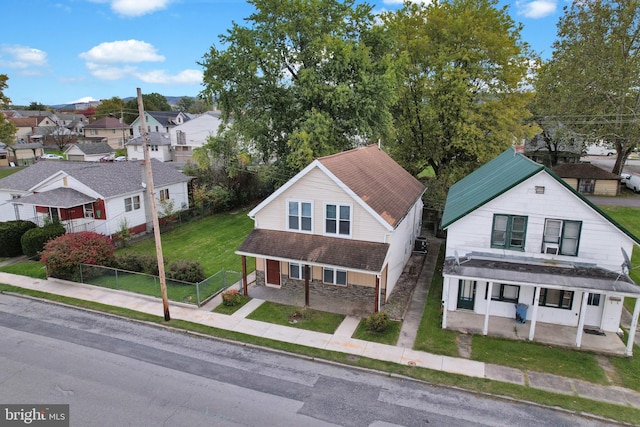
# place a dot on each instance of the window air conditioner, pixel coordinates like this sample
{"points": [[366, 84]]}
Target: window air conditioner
{"points": [[550, 248]]}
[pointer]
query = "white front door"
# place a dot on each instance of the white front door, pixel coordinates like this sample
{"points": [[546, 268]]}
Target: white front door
{"points": [[593, 313]]}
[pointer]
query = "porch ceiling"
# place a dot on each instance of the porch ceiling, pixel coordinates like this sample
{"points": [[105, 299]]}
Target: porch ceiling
{"points": [[314, 249], [562, 276], [63, 197]]}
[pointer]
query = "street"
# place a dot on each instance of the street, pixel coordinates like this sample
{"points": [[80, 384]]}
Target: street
{"points": [[114, 372]]}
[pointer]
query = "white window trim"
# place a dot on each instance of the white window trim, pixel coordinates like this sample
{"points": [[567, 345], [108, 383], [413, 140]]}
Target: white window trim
{"points": [[301, 268], [324, 220], [286, 215], [335, 277]]}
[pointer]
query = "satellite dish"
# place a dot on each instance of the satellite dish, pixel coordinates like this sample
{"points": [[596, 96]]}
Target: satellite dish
{"points": [[626, 265]]}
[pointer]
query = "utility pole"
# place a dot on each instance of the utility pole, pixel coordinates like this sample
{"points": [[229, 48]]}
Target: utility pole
{"points": [[154, 208]]}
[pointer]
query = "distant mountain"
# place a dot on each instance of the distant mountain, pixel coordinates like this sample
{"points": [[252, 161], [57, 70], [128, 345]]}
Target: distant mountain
{"points": [[172, 100]]}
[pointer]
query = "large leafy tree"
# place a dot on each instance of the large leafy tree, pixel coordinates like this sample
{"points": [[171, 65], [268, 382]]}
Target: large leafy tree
{"points": [[592, 82], [152, 102], [7, 129], [462, 68], [113, 106], [303, 78]]}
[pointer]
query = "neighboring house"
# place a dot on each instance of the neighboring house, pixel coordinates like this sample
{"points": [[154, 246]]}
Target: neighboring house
{"points": [[4, 155], [159, 121], [73, 122], [518, 234], [100, 197], [22, 154], [159, 147], [89, 152], [25, 128], [352, 218], [589, 179], [107, 129], [193, 134]]}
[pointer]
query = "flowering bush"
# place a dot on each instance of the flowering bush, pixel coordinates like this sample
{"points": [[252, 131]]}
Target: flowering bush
{"points": [[230, 297], [63, 255]]}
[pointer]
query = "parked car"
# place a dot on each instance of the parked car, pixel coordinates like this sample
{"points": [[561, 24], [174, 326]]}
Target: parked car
{"points": [[121, 159], [51, 157], [630, 181], [601, 150]]}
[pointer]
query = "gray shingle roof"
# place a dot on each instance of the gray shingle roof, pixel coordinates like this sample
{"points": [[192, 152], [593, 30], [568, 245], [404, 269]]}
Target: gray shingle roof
{"points": [[107, 179], [95, 148], [62, 197], [155, 138]]}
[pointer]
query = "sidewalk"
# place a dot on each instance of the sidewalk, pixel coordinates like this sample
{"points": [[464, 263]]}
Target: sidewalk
{"points": [[340, 341]]}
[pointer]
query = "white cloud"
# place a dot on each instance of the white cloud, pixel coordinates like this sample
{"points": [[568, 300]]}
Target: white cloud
{"points": [[122, 51], [23, 57], [537, 8], [105, 72], [133, 8], [85, 99], [161, 77]]}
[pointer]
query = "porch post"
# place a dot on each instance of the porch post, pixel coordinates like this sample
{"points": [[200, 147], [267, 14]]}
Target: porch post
{"points": [[583, 310], [634, 327], [534, 313], [376, 299], [245, 288], [306, 285], [485, 328], [445, 301]]}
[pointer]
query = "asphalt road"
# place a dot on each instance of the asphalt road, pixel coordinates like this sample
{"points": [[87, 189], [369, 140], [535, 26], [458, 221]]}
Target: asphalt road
{"points": [[113, 372]]}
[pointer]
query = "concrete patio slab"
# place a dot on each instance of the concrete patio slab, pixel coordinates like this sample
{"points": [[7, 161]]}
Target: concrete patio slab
{"points": [[552, 383], [385, 352], [504, 374]]}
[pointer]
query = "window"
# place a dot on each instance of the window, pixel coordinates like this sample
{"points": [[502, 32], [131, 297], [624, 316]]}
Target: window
{"points": [[594, 299], [164, 194], [338, 220], [131, 203], [586, 185], [93, 131], [334, 276], [296, 271], [502, 292], [556, 298], [509, 232], [299, 216], [153, 147], [563, 235], [88, 210]]}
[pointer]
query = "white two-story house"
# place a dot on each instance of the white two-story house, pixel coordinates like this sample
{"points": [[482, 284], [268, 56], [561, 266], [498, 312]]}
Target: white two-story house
{"points": [[517, 234], [348, 220]]}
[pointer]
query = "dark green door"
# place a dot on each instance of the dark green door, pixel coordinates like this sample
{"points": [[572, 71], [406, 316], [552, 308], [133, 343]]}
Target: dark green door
{"points": [[466, 294]]}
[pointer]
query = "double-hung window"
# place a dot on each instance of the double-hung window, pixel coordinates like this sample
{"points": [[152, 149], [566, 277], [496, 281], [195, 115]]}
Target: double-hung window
{"points": [[556, 298], [334, 276], [299, 216], [131, 203], [164, 194], [338, 219], [563, 235], [506, 293], [509, 232], [296, 271]]}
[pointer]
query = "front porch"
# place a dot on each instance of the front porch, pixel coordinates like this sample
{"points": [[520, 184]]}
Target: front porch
{"points": [[546, 333]]}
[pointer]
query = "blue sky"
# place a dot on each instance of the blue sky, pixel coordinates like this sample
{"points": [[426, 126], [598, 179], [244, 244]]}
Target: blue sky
{"points": [[57, 52]]}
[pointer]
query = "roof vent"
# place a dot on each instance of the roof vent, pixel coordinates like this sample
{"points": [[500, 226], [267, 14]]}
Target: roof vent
{"points": [[539, 189]]}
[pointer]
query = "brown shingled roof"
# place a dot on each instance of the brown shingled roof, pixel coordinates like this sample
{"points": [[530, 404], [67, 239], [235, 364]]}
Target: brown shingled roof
{"points": [[377, 179], [24, 122], [582, 171], [311, 248]]}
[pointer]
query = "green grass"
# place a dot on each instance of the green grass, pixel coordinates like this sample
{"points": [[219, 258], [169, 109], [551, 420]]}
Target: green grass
{"points": [[230, 309], [430, 336], [304, 318], [9, 171], [390, 336], [27, 268], [624, 414], [211, 240], [532, 356], [628, 368]]}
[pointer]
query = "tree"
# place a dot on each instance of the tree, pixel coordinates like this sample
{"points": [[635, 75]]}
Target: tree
{"points": [[303, 78], [37, 106], [185, 103], [61, 136], [592, 82], [152, 102], [110, 107], [461, 70], [7, 129]]}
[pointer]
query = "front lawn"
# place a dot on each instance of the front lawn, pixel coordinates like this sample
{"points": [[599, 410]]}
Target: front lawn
{"points": [[29, 268], [9, 171], [211, 240], [297, 317], [230, 309], [389, 336]]}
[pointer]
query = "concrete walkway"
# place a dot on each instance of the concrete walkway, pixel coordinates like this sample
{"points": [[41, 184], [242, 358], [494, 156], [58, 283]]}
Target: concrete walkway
{"points": [[340, 341]]}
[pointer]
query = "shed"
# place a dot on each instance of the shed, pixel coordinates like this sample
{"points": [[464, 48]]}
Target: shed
{"points": [[589, 179]]}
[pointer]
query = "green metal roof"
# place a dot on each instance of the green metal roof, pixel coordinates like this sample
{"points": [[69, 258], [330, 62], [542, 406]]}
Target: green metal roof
{"points": [[496, 177], [486, 183]]}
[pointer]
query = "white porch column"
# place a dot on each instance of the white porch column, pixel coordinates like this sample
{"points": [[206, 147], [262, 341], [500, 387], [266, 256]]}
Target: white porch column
{"points": [[534, 313], [485, 327], [583, 310], [634, 327], [445, 301]]}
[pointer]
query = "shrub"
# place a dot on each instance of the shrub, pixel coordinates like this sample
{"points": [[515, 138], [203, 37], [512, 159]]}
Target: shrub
{"points": [[10, 234], [33, 240], [377, 322], [137, 263], [231, 298], [63, 255], [186, 270]]}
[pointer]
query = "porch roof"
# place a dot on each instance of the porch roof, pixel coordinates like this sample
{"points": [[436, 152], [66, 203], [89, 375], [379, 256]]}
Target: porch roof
{"points": [[62, 197], [553, 275], [313, 249]]}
